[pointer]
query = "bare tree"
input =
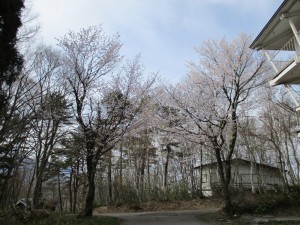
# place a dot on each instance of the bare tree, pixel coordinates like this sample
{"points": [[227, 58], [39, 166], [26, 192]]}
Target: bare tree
{"points": [[279, 119], [252, 146], [15, 116], [30, 27], [49, 106], [74, 154]]}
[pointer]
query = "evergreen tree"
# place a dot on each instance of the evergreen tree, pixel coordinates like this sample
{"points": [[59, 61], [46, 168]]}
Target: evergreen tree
{"points": [[10, 59], [10, 68]]}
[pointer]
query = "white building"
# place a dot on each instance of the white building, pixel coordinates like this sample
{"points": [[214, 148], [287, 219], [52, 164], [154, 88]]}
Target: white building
{"points": [[280, 41], [244, 176]]}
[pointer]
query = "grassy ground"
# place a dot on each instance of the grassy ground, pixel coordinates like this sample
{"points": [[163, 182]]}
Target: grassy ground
{"points": [[57, 219]]}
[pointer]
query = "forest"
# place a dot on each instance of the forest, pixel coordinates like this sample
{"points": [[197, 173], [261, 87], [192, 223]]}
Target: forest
{"points": [[83, 126]]}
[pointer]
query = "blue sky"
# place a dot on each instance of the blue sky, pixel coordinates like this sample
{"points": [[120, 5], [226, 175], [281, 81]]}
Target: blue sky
{"points": [[164, 32]]}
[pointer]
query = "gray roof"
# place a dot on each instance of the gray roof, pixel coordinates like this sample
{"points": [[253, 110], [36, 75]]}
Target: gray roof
{"points": [[239, 160], [277, 31]]}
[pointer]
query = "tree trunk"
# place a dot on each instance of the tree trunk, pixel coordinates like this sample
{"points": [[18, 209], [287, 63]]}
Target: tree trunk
{"points": [[253, 189], [148, 170], [59, 192], [75, 186], [201, 174], [168, 148], [4, 199], [70, 191], [109, 174], [91, 172], [75, 191], [121, 172], [37, 194], [142, 178], [224, 179]]}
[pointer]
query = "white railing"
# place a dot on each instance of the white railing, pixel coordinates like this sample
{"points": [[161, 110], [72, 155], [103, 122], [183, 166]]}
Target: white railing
{"points": [[285, 55], [290, 45]]}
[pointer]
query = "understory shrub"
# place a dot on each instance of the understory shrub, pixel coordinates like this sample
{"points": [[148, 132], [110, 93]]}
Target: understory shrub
{"points": [[261, 203]]}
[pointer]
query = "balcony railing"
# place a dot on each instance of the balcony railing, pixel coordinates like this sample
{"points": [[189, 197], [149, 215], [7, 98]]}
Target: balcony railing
{"points": [[290, 45], [283, 57]]}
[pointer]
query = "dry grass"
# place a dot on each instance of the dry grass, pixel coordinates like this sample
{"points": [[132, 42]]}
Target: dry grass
{"points": [[153, 206], [253, 205], [250, 206]]}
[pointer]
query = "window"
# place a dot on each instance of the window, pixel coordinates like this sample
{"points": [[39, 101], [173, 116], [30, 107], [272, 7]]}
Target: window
{"points": [[204, 178]]}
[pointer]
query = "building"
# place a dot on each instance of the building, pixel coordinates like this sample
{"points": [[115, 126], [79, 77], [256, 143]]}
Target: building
{"points": [[244, 176], [24, 204], [280, 41]]}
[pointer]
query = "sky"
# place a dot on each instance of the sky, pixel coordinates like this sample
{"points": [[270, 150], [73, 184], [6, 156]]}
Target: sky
{"points": [[164, 32]]}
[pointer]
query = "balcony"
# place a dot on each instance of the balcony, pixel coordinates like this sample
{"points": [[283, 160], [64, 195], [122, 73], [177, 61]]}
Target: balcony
{"points": [[286, 62], [280, 39]]}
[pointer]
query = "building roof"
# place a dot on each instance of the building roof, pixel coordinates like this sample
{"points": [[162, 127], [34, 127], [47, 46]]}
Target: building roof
{"points": [[239, 160], [277, 31]]}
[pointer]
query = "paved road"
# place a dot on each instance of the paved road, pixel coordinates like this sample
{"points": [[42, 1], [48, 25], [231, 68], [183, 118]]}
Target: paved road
{"points": [[187, 217]]}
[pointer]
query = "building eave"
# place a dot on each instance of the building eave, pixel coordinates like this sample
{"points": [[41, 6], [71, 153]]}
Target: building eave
{"points": [[260, 41], [237, 160]]}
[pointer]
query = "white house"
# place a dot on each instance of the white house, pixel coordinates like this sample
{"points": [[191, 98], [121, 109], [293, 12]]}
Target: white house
{"points": [[244, 176]]}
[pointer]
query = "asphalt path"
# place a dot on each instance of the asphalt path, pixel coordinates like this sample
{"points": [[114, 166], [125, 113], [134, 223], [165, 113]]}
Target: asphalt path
{"points": [[186, 217]]}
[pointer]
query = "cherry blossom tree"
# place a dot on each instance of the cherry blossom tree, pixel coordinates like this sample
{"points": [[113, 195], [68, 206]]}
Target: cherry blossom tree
{"points": [[105, 107], [216, 92]]}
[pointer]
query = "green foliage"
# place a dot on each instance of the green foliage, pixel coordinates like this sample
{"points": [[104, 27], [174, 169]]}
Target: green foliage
{"points": [[131, 196], [119, 204], [176, 193], [179, 193], [54, 107], [11, 126], [10, 60], [294, 193], [156, 194], [97, 204], [261, 209]]}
